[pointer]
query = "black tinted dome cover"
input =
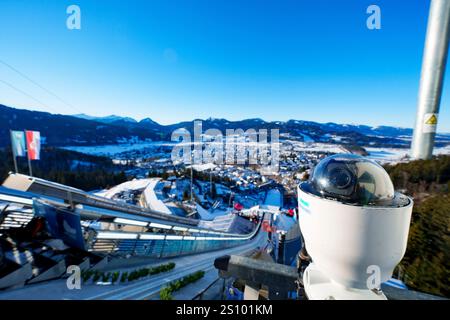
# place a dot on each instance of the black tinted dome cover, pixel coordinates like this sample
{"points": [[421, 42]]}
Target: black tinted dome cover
{"points": [[353, 179]]}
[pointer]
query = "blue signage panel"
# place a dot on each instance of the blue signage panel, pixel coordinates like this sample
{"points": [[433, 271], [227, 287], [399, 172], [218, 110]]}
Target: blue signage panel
{"points": [[61, 224]]}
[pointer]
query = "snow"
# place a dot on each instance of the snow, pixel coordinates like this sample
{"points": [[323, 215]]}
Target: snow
{"points": [[221, 189], [152, 200], [387, 155], [306, 138], [111, 150], [219, 223], [136, 184], [106, 119], [382, 155], [284, 223], [203, 213], [273, 200], [317, 147], [203, 167]]}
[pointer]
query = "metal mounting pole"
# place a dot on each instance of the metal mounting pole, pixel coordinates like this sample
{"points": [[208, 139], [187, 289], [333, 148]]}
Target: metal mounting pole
{"points": [[29, 164], [192, 181], [210, 183], [431, 79], [13, 152]]}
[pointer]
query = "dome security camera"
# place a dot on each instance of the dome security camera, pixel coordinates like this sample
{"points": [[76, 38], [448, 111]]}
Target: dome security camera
{"points": [[355, 228]]}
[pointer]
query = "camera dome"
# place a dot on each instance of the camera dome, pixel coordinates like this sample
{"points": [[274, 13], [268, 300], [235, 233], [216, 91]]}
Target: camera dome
{"points": [[351, 220], [353, 179]]}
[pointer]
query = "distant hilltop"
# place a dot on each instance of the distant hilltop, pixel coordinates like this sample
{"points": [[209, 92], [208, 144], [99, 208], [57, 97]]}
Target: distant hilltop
{"points": [[82, 129]]}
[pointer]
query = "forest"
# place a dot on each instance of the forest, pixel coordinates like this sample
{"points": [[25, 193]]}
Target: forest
{"points": [[426, 265], [75, 169]]}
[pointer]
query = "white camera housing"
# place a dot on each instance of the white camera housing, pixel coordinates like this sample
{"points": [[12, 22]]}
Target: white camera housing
{"points": [[355, 228]]}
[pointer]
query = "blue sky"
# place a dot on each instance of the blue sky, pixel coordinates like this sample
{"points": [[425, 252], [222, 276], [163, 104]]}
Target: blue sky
{"points": [[178, 60]]}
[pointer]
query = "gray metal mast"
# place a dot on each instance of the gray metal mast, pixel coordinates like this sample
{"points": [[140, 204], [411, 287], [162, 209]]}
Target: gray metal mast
{"points": [[431, 79]]}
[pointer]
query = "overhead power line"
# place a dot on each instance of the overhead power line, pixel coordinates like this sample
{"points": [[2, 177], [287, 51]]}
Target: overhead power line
{"points": [[41, 87], [28, 95]]}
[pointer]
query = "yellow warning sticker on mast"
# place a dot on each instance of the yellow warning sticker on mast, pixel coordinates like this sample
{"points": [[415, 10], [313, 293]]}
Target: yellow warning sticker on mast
{"points": [[430, 121]]}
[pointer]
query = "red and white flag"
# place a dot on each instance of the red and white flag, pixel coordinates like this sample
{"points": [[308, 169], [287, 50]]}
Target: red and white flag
{"points": [[33, 144]]}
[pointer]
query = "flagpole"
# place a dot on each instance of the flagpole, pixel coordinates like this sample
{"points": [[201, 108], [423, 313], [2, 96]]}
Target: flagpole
{"points": [[13, 153], [28, 155], [29, 164]]}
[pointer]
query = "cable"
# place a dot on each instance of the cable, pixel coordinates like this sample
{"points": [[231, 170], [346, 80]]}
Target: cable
{"points": [[28, 95], [40, 86]]}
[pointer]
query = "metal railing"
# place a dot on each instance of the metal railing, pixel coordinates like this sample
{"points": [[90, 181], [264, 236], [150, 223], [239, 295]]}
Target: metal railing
{"points": [[165, 245]]}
